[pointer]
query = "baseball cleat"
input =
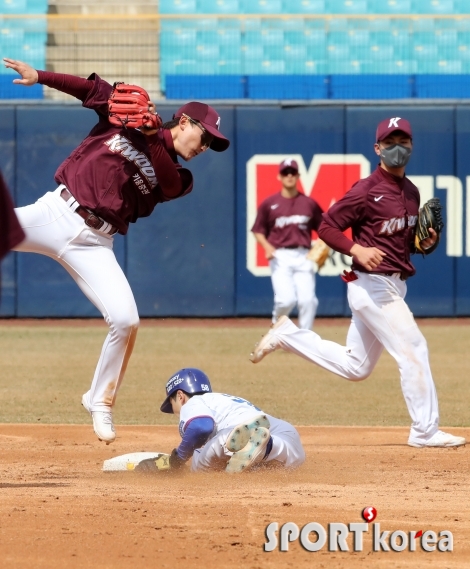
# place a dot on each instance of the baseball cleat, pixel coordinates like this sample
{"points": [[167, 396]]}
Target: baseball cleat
{"points": [[252, 453], [440, 439], [102, 422], [240, 435], [268, 343]]}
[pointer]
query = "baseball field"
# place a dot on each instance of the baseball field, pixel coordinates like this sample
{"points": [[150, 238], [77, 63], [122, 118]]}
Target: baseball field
{"points": [[58, 510]]}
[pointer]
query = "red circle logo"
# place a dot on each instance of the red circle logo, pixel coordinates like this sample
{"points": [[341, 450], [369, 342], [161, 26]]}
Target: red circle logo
{"points": [[369, 514]]}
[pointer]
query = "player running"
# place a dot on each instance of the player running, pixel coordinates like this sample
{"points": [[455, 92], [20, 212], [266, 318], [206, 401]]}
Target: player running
{"points": [[115, 176], [382, 211], [220, 431], [283, 227]]}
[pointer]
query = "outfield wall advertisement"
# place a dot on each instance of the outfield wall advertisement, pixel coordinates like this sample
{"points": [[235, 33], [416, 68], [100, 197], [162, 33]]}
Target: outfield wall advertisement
{"points": [[196, 256]]}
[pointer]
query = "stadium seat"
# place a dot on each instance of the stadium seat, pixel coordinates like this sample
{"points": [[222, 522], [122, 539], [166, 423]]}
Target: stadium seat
{"points": [[359, 38], [461, 7], [314, 37], [295, 53], [380, 25], [346, 6], [422, 24], [406, 66], [432, 6], [229, 37], [389, 6], [207, 52], [337, 52], [343, 66], [304, 6], [440, 66], [217, 6], [261, 6], [180, 37], [13, 7], [177, 7], [252, 52], [228, 66], [36, 6], [317, 53], [337, 24], [446, 38]]}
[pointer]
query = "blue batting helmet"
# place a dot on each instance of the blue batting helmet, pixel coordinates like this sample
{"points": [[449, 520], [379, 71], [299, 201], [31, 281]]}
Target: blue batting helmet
{"points": [[189, 380]]}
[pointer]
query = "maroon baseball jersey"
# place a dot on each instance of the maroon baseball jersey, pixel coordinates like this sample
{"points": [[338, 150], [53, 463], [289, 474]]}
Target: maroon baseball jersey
{"points": [[288, 222], [11, 233], [382, 211], [120, 174]]}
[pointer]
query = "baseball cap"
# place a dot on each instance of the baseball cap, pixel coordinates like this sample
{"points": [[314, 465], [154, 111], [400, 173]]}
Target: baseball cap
{"points": [[288, 163], [209, 119], [388, 126]]}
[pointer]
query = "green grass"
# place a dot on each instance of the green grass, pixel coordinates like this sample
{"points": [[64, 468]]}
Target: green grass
{"points": [[46, 369]]}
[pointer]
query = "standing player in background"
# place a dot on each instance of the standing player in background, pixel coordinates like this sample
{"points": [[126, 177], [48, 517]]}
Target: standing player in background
{"points": [[222, 432], [115, 176], [11, 233], [382, 211], [283, 227]]}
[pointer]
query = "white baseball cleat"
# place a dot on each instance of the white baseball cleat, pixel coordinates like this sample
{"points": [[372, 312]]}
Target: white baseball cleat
{"points": [[252, 453], [240, 435], [268, 343], [440, 439], [102, 422]]}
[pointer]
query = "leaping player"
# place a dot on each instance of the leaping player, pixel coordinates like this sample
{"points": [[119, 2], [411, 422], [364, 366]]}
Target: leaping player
{"points": [[115, 176]]}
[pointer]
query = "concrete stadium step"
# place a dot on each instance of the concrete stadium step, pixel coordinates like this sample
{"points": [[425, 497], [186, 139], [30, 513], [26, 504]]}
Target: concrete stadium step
{"points": [[109, 52], [118, 49], [103, 7]]}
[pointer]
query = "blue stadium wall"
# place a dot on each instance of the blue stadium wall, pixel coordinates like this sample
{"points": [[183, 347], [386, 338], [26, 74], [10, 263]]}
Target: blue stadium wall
{"points": [[189, 258]]}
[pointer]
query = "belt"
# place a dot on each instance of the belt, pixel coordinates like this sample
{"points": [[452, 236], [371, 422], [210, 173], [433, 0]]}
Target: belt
{"points": [[349, 276], [403, 275], [90, 218]]}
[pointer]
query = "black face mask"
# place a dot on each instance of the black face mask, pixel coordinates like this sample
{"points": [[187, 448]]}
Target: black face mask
{"points": [[395, 156]]}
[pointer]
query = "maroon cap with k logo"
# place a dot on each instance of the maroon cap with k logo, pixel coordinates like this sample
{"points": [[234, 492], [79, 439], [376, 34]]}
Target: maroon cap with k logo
{"points": [[209, 119], [388, 126]]}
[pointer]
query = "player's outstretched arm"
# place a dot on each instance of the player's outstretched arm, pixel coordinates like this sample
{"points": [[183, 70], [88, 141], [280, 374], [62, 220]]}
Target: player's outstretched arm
{"points": [[29, 75]]}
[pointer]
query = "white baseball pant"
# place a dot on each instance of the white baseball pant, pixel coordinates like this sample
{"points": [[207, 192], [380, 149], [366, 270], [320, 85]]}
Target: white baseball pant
{"points": [[53, 229], [381, 319], [293, 283], [287, 448]]}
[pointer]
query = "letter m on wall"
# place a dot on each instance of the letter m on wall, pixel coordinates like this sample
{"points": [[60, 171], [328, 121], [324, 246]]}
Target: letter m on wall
{"points": [[327, 179]]}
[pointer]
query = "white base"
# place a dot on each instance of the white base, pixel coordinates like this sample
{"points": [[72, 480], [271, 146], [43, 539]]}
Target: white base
{"points": [[126, 461]]}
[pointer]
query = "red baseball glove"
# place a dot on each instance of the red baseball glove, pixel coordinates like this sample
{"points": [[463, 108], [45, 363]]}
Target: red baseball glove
{"points": [[128, 106]]}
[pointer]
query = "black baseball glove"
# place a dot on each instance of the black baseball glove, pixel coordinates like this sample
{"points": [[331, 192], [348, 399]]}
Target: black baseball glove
{"points": [[429, 216], [160, 463]]}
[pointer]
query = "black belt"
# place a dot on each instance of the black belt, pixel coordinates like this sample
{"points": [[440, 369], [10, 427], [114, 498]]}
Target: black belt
{"points": [[90, 218], [403, 274]]}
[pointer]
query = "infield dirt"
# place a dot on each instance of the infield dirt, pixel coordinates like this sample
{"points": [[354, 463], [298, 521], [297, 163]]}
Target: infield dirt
{"points": [[59, 511]]}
